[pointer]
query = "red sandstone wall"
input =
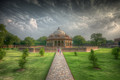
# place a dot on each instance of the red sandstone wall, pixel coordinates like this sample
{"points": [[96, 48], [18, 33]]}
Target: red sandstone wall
{"points": [[88, 49], [81, 49]]}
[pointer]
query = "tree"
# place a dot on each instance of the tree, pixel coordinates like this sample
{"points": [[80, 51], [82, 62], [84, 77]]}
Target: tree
{"points": [[97, 39], [115, 52], [3, 32], [75, 53], [23, 60], [78, 40], [9, 39], [42, 51], [28, 41], [42, 40], [2, 54], [25, 53], [93, 59], [16, 40]]}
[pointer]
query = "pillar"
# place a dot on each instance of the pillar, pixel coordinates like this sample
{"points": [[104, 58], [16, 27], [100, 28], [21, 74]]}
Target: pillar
{"points": [[57, 43], [64, 43]]}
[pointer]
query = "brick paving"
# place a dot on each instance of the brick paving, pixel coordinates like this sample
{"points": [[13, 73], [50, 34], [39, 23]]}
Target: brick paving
{"points": [[59, 69]]}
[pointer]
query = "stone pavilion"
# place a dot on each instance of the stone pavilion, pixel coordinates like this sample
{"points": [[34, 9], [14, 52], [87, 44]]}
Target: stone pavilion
{"points": [[59, 39]]}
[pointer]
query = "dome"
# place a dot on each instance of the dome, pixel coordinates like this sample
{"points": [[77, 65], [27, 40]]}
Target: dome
{"points": [[59, 34]]}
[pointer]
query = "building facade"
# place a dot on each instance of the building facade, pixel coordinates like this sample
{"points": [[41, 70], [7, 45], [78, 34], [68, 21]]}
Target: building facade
{"points": [[117, 41], [59, 39]]}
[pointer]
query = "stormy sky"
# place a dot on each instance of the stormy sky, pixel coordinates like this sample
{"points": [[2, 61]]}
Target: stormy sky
{"points": [[36, 18]]}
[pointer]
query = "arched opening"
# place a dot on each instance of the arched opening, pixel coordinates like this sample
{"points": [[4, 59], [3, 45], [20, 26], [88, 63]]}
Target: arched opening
{"points": [[58, 43]]}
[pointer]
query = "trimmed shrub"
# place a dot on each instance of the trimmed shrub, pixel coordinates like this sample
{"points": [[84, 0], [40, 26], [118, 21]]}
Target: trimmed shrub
{"points": [[25, 53], [42, 52], [93, 59], [2, 54], [115, 52], [23, 61], [75, 53]]}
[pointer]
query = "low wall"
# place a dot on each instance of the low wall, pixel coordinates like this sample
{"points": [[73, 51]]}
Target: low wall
{"points": [[74, 49], [88, 49], [18, 46], [80, 49]]}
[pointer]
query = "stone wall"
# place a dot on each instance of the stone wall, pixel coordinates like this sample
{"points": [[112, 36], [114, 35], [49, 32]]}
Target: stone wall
{"points": [[88, 49], [80, 49], [18, 46]]}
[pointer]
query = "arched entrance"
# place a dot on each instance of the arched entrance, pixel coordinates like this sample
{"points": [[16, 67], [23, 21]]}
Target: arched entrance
{"points": [[58, 43]]}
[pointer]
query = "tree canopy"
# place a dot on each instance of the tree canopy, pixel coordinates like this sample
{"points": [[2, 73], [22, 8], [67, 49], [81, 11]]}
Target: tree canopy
{"points": [[97, 39], [3, 32], [11, 39], [42, 40], [28, 41], [78, 40]]}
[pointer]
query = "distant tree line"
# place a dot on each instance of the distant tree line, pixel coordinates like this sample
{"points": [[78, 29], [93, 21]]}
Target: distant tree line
{"points": [[7, 38], [96, 39]]}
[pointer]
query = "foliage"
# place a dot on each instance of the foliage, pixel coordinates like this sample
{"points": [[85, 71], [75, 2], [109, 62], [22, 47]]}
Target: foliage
{"points": [[42, 40], [23, 60], [110, 42], [28, 41], [25, 53], [9, 39], [2, 54], [16, 40], [42, 52], [93, 59], [3, 32], [22, 63], [78, 40], [97, 39], [115, 52], [75, 53]]}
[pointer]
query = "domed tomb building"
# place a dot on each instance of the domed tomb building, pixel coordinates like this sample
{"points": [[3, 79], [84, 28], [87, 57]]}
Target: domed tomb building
{"points": [[59, 39]]}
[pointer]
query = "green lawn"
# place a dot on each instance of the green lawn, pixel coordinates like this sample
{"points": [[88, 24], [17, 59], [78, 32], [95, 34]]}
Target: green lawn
{"points": [[36, 67], [82, 69]]}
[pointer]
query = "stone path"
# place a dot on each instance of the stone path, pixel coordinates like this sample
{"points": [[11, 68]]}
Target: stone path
{"points": [[59, 69]]}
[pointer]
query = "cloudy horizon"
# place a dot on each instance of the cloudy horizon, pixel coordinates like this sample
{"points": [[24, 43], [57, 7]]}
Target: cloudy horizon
{"points": [[36, 18]]}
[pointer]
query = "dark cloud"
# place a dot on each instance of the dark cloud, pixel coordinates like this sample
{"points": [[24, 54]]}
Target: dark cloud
{"points": [[36, 18]]}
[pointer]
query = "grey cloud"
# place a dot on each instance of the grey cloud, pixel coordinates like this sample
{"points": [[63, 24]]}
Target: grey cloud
{"points": [[76, 17]]}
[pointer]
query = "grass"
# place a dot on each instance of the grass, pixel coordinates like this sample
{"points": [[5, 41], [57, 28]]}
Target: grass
{"points": [[81, 67], [36, 67]]}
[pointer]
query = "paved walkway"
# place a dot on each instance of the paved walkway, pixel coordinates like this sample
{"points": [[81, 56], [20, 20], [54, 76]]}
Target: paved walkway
{"points": [[59, 69]]}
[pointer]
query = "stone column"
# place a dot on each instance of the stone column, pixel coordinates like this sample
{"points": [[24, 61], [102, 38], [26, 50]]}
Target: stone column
{"points": [[57, 43], [60, 43], [53, 43], [64, 43]]}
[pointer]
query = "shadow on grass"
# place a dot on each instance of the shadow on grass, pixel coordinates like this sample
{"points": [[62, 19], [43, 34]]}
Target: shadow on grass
{"points": [[14, 56], [5, 69], [117, 66]]}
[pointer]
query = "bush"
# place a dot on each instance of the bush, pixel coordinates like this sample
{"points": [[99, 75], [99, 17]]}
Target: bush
{"points": [[42, 52], [2, 54], [93, 59], [75, 53], [23, 61], [115, 52], [25, 53]]}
